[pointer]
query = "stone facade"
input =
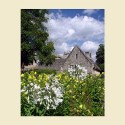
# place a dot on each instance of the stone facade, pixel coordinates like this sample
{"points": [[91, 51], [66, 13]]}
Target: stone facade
{"points": [[76, 56]]}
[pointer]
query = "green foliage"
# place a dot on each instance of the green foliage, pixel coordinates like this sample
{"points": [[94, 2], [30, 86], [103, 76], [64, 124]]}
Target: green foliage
{"points": [[39, 71], [46, 71], [94, 94], [80, 97], [83, 97], [100, 57], [34, 37]]}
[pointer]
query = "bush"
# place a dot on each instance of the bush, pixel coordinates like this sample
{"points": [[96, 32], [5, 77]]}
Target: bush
{"points": [[39, 71], [94, 94], [71, 93]]}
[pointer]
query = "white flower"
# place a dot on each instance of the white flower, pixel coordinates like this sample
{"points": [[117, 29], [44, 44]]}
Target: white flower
{"points": [[22, 90], [31, 84], [47, 86], [57, 101], [50, 96], [39, 93], [38, 99], [46, 97], [47, 107], [54, 89], [35, 86], [28, 99], [53, 106], [51, 100], [78, 72], [35, 101]]}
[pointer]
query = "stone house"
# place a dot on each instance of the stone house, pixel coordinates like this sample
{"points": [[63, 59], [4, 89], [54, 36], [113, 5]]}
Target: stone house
{"points": [[76, 56]]}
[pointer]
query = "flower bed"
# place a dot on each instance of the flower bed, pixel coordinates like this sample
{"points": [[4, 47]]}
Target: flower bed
{"points": [[71, 93]]}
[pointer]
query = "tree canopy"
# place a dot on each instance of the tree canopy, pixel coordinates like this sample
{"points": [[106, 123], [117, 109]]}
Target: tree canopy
{"points": [[100, 57], [34, 37]]}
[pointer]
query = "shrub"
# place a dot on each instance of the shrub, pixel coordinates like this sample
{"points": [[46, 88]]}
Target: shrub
{"points": [[94, 94], [39, 71]]}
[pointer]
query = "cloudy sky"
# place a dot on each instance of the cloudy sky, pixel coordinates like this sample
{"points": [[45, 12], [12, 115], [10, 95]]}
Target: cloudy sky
{"points": [[70, 27]]}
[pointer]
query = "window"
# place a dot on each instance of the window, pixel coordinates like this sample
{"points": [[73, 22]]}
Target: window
{"points": [[76, 56]]}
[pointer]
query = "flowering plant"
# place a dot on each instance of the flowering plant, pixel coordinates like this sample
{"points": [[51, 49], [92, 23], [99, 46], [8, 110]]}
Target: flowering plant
{"points": [[78, 72], [53, 93], [66, 93], [41, 89]]}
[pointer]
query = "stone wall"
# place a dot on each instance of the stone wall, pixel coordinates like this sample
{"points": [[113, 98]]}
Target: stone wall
{"points": [[57, 64], [78, 57]]}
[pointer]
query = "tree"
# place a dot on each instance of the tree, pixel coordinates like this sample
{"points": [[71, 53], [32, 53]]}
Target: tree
{"points": [[100, 57], [34, 37]]}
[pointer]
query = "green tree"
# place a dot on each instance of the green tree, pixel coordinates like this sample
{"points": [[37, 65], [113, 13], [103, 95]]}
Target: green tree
{"points": [[100, 57], [34, 37]]}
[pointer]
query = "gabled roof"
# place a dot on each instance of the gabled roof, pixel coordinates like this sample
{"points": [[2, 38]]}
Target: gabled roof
{"points": [[90, 60]]}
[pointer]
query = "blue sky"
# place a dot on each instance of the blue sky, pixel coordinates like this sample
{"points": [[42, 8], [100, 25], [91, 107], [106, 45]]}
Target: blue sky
{"points": [[97, 14], [70, 27]]}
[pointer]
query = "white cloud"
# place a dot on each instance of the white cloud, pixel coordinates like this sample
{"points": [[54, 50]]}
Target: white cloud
{"points": [[90, 11], [70, 32], [63, 29], [91, 47], [62, 47], [66, 32]]}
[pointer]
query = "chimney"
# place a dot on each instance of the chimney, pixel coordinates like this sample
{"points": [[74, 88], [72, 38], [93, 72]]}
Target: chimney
{"points": [[88, 54]]}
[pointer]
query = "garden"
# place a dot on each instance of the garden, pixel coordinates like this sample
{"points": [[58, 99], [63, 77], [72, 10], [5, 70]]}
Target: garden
{"points": [[69, 93]]}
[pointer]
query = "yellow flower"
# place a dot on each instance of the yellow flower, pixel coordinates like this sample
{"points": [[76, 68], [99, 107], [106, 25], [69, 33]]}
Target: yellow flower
{"points": [[39, 80], [74, 86], [77, 110], [29, 77], [33, 77], [59, 75], [70, 91], [67, 86], [80, 106], [22, 75]]}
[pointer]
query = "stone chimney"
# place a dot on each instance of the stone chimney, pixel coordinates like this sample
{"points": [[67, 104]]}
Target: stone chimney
{"points": [[88, 54]]}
